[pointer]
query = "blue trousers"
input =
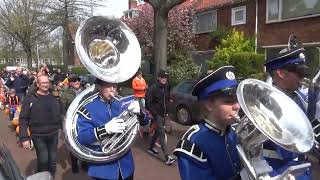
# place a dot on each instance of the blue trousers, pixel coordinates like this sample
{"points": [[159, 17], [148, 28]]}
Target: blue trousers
{"points": [[12, 112], [46, 149]]}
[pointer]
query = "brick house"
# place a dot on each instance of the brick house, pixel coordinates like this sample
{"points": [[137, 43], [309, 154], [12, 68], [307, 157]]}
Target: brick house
{"points": [[73, 55], [276, 20], [214, 14], [133, 9]]}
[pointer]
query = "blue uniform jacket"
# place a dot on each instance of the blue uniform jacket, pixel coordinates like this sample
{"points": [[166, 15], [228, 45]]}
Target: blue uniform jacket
{"points": [[217, 157], [101, 112], [285, 158]]}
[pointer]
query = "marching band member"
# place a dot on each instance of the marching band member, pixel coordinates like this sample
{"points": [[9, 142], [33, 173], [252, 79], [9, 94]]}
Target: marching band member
{"points": [[208, 150], [287, 70], [99, 119]]}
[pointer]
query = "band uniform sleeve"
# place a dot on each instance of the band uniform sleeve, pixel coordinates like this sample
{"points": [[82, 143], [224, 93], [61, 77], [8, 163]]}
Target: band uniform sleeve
{"points": [[86, 130], [193, 163], [191, 170], [24, 118]]}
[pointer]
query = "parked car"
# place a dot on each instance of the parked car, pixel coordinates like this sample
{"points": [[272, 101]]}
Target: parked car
{"points": [[182, 103]]}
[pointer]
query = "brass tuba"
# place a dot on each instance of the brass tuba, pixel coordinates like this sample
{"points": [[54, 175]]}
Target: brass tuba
{"points": [[269, 115], [110, 51]]}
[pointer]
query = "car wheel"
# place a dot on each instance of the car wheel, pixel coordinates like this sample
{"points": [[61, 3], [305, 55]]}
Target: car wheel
{"points": [[183, 115]]}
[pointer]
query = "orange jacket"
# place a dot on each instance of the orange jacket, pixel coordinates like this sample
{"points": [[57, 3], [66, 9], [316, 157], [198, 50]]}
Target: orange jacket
{"points": [[139, 87]]}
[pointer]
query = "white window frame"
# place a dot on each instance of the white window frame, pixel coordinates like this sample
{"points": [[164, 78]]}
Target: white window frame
{"points": [[131, 13], [214, 13], [280, 14], [233, 15]]}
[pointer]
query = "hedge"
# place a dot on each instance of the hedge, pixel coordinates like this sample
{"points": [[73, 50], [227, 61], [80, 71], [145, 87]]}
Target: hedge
{"points": [[248, 65], [80, 70]]}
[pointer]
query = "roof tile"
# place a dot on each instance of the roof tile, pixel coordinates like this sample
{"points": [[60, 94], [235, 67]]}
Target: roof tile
{"points": [[209, 4]]}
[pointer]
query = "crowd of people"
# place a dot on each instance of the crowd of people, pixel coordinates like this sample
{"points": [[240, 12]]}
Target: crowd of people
{"points": [[41, 99], [36, 102]]}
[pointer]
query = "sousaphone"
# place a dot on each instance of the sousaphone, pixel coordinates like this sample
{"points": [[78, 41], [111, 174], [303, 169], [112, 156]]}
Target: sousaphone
{"points": [[269, 115], [110, 51]]}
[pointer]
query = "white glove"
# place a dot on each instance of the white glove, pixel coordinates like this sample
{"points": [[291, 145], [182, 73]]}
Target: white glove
{"points": [[134, 107], [116, 125]]}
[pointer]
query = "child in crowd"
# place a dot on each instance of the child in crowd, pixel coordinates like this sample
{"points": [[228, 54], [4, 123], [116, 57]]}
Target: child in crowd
{"points": [[12, 103]]}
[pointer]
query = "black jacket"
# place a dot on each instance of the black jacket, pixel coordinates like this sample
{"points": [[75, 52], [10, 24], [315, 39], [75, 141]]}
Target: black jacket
{"points": [[157, 98], [42, 114], [20, 83]]}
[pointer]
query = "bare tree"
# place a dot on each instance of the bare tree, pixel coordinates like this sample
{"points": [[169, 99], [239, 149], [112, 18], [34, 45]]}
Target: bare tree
{"points": [[161, 9], [25, 21], [9, 43], [69, 13]]}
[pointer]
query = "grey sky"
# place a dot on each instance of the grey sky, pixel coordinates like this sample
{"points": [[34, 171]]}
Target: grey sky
{"points": [[112, 7]]}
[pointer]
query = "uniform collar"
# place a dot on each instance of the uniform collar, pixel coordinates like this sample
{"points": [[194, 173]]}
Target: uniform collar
{"points": [[105, 101], [215, 127]]}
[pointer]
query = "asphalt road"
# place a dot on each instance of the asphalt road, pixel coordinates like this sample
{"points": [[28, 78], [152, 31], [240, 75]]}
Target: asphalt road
{"points": [[147, 167]]}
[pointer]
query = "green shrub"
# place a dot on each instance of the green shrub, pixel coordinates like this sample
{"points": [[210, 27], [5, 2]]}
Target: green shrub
{"points": [[2, 66], [182, 67], [51, 67], [235, 42], [80, 70], [221, 33], [248, 64]]}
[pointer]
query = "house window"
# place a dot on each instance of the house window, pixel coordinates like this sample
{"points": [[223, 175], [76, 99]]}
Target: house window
{"points": [[205, 22], [283, 10], [238, 15], [132, 13], [18, 60]]}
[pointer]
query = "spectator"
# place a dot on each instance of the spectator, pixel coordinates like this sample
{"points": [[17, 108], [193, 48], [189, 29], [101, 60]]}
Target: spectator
{"points": [[32, 77], [45, 70], [41, 113], [19, 82], [67, 96], [58, 76], [156, 102], [58, 90], [139, 87], [73, 89], [3, 97]]}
